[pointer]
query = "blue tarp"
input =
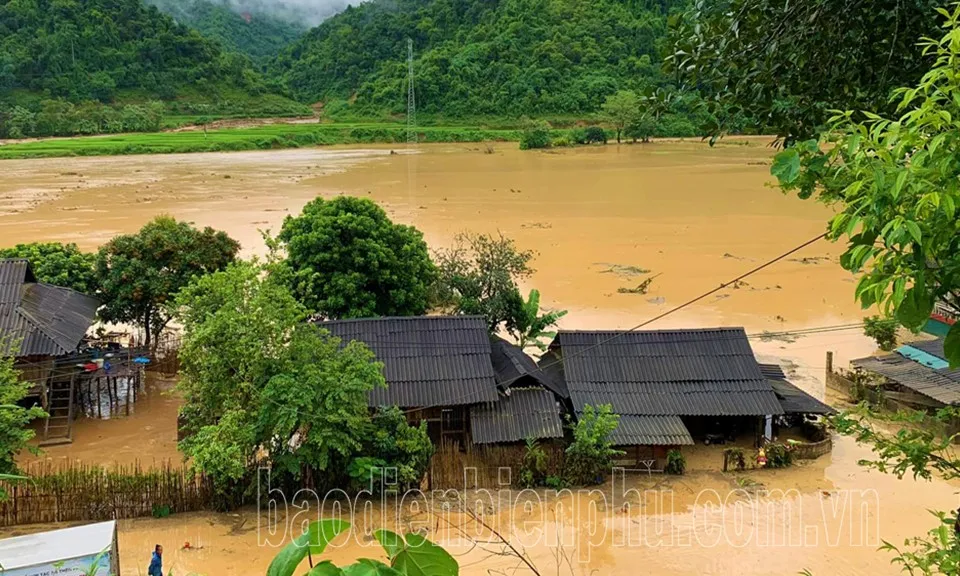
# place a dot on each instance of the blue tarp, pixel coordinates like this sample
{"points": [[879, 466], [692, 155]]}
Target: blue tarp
{"points": [[921, 357]]}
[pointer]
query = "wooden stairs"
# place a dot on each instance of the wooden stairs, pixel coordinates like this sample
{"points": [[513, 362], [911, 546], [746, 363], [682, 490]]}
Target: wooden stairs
{"points": [[58, 426]]}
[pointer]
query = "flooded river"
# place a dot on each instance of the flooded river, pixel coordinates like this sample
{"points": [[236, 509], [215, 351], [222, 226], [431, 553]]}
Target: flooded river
{"points": [[694, 216]]}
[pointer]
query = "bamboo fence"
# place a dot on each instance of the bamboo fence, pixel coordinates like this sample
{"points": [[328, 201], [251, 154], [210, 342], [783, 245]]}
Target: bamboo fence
{"points": [[485, 466], [75, 492]]}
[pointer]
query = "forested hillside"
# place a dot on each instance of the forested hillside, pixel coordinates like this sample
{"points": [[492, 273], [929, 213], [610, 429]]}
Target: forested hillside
{"points": [[103, 66], [256, 34], [482, 57]]}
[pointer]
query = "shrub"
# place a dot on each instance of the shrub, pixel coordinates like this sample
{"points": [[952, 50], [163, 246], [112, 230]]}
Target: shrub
{"points": [[595, 134], [676, 463], [535, 135], [579, 135], [734, 457], [778, 455], [590, 456], [533, 469], [562, 142], [883, 330]]}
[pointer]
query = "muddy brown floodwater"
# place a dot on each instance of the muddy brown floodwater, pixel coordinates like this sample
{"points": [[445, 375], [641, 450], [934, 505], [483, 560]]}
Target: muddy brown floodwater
{"points": [[597, 217]]}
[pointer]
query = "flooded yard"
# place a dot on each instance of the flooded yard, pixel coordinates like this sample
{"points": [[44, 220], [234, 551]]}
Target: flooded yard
{"points": [[600, 219]]}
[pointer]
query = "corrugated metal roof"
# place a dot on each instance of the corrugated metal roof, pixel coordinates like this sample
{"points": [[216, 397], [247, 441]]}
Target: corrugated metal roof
{"points": [[427, 360], [525, 413], [796, 401], [651, 431], [932, 347], [704, 372], [941, 385], [515, 369], [45, 320], [772, 371]]}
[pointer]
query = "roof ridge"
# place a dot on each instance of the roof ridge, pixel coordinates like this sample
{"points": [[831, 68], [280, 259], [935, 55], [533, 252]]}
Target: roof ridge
{"points": [[403, 318]]}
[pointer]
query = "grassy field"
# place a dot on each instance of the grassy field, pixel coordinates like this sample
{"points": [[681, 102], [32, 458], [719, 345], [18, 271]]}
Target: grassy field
{"points": [[266, 137]]}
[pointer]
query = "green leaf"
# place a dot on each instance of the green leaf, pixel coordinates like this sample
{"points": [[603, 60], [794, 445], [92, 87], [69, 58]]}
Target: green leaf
{"points": [[898, 186], [416, 556], [951, 346], [368, 567], [914, 231], [391, 541], [316, 538], [325, 568], [916, 307], [786, 166]]}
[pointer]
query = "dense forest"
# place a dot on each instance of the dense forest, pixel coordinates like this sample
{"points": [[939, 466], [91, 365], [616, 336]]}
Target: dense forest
{"points": [[257, 34], [101, 66], [482, 58]]}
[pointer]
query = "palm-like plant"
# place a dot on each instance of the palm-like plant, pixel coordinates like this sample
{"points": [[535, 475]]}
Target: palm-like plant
{"points": [[531, 326]]}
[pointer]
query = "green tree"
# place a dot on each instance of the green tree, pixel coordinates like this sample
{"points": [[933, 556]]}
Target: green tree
{"points": [[14, 419], [622, 109], [896, 187], [255, 374], [479, 275], [776, 61], [346, 259], [590, 455], [141, 273], [393, 445], [58, 264], [882, 330], [530, 327]]}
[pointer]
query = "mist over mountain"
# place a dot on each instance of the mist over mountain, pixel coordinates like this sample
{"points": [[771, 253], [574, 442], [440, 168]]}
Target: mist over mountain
{"points": [[302, 12]]}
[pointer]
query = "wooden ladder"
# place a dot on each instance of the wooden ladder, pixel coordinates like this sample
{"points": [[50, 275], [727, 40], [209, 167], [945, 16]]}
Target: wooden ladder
{"points": [[57, 429]]}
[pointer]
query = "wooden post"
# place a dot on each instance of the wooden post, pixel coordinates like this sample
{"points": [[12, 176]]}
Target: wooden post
{"points": [[73, 381], [99, 409], [129, 384], [829, 365]]}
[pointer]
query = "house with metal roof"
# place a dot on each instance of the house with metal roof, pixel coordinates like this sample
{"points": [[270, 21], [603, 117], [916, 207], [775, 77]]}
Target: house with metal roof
{"points": [[917, 374], [668, 386], [41, 326], [447, 371]]}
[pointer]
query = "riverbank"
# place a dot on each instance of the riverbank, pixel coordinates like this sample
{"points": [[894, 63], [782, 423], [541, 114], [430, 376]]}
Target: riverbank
{"points": [[266, 137]]}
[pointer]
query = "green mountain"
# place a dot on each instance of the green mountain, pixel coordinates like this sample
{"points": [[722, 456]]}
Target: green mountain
{"points": [[481, 57], [256, 34], [104, 66], [101, 49]]}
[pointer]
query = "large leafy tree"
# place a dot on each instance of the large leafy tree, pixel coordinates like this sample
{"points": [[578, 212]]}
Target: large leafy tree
{"points": [[622, 109], [346, 259], [141, 273], [895, 183], [780, 62], [59, 264], [479, 275], [255, 375]]}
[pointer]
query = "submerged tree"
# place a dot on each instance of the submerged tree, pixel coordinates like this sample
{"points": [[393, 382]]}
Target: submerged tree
{"points": [[479, 275], [58, 264], [140, 274], [622, 109], [346, 259], [255, 375]]}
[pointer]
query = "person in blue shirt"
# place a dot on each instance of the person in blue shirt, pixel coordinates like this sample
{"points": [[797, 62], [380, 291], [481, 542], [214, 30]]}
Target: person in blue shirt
{"points": [[156, 562]]}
